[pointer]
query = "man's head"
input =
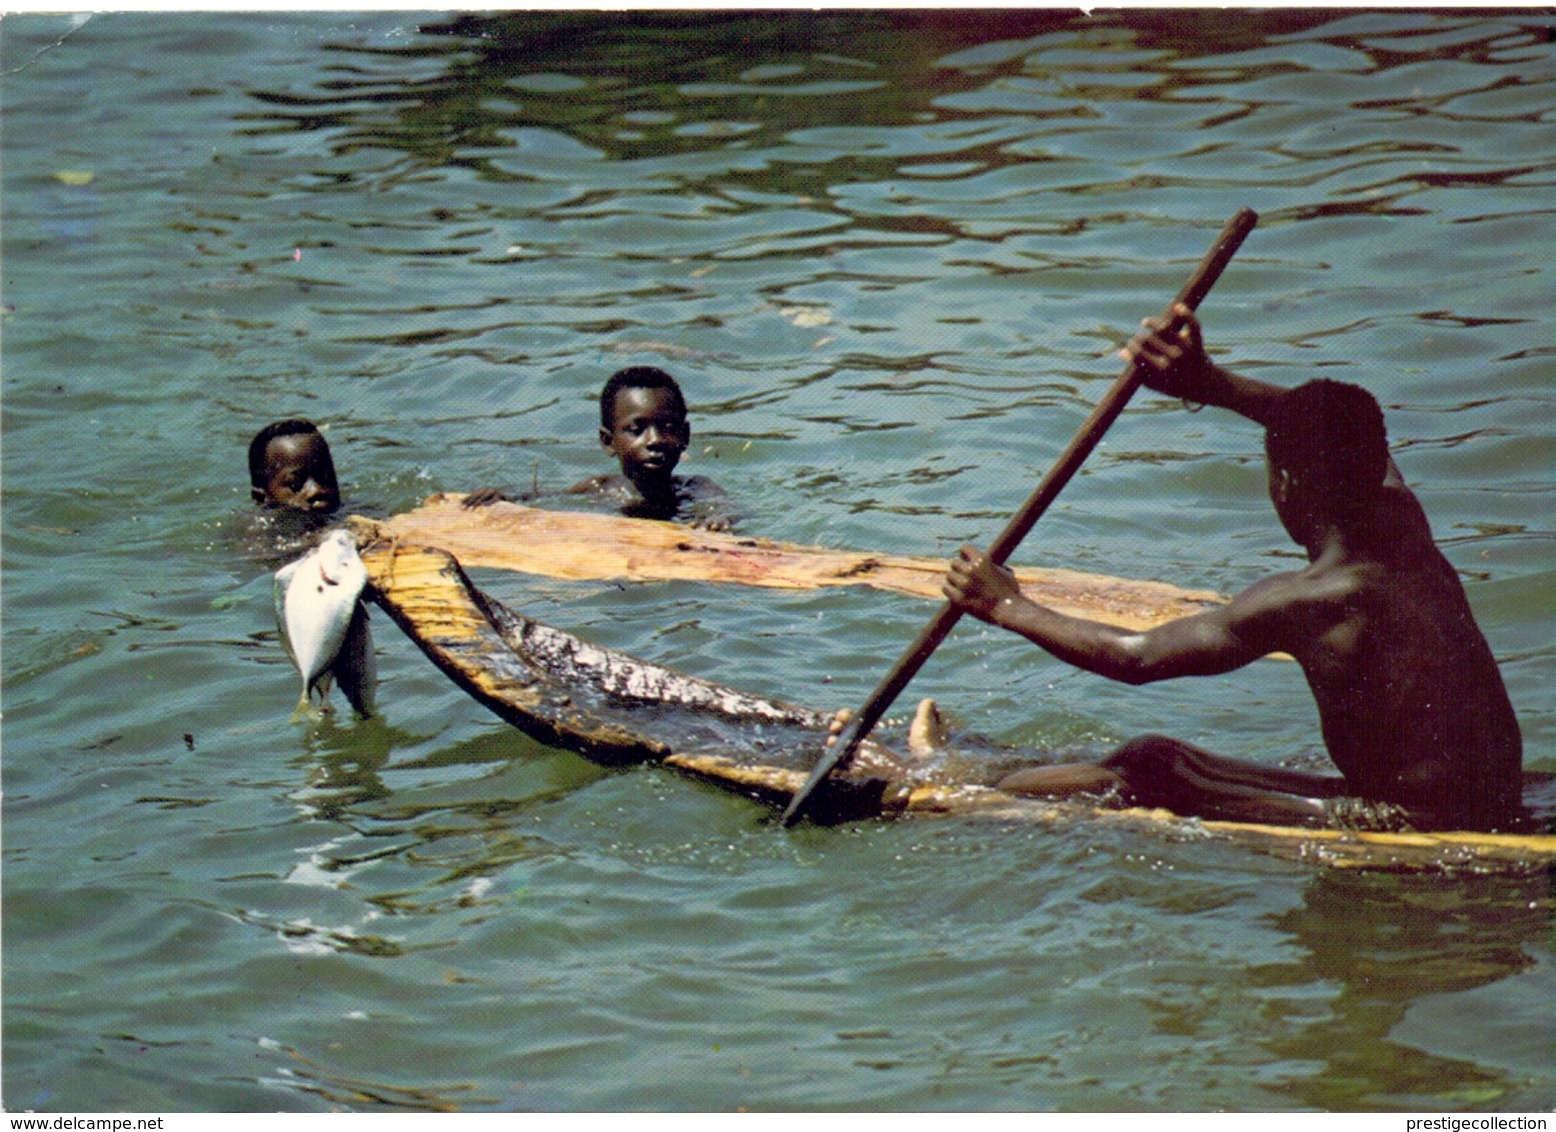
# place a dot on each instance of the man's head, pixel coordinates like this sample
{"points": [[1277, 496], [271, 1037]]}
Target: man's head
{"points": [[1327, 450], [290, 466], [643, 424]]}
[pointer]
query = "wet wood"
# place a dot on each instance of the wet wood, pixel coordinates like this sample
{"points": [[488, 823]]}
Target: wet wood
{"points": [[583, 547], [528, 674], [428, 596], [1330, 847]]}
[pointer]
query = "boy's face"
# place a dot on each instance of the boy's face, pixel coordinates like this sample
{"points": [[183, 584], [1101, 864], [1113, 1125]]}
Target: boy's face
{"points": [[299, 474], [648, 434]]}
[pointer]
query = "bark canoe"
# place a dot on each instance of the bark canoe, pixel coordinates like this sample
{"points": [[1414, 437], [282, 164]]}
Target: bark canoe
{"points": [[618, 710]]}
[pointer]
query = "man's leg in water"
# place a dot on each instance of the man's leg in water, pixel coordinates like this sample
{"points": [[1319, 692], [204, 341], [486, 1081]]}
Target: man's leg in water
{"points": [[1155, 770]]}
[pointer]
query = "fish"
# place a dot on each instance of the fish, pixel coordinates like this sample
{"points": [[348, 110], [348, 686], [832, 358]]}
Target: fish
{"points": [[324, 625], [356, 668]]}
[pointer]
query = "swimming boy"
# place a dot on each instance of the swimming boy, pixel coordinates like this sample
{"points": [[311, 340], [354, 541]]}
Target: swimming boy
{"points": [[290, 467], [1411, 704], [643, 423]]}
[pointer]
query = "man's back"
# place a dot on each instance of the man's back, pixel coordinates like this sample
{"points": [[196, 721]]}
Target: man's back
{"points": [[1412, 705]]}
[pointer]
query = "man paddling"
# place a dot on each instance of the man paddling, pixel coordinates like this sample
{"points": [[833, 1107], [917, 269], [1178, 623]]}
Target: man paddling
{"points": [[1411, 703]]}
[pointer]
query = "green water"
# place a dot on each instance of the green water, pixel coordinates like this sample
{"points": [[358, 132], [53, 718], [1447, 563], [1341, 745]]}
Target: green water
{"points": [[889, 256]]}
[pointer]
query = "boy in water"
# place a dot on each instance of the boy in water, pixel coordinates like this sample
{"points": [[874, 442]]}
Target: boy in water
{"points": [[643, 424], [1411, 704], [290, 467], [292, 480]]}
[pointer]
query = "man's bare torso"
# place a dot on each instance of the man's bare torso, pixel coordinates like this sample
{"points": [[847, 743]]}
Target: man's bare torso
{"points": [[1411, 703]]}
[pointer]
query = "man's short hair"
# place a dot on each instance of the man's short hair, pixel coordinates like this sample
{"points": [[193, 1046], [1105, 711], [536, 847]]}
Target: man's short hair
{"points": [[636, 377], [261, 444], [1330, 435]]}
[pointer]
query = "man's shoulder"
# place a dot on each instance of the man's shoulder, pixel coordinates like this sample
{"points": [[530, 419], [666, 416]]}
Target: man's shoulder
{"points": [[1317, 594]]}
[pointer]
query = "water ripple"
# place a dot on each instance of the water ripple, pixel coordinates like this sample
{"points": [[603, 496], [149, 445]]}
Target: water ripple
{"points": [[890, 256]]}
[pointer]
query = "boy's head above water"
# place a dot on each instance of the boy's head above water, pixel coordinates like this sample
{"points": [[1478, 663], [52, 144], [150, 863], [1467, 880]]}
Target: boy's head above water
{"points": [[290, 466], [643, 424]]}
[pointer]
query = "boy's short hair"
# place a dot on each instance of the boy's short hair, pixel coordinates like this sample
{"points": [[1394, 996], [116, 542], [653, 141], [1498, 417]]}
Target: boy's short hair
{"points": [[636, 377], [1331, 435], [261, 444]]}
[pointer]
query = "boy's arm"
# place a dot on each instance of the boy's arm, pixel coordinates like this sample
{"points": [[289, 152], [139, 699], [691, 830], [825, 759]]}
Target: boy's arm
{"points": [[482, 496], [710, 507], [1176, 364], [1256, 623]]}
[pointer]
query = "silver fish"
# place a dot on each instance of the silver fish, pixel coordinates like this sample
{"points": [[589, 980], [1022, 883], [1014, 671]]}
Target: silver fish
{"points": [[324, 626]]}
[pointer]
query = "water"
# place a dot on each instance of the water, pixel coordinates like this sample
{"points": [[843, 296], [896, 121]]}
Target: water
{"points": [[889, 255]]}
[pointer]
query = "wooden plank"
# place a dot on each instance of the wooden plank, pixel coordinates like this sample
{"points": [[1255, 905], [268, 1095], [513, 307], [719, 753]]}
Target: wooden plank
{"points": [[532, 680], [426, 593], [1452, 851], [584, 546]]}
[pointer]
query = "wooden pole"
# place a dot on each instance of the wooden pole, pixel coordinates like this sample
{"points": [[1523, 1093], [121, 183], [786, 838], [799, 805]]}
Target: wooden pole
{"points": [[1069, 462]]}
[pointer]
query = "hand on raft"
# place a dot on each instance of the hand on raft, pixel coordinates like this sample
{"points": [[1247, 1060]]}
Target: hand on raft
{"points": [[482, 496]]}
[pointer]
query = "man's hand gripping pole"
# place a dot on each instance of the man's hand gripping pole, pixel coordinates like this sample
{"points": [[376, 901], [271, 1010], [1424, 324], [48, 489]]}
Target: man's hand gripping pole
{"points": [[805, 801]]}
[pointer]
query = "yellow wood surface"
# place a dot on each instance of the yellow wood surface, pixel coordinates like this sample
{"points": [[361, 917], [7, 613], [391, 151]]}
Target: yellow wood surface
{"points": [[586, 546], [1333, 847], [431, 599]]}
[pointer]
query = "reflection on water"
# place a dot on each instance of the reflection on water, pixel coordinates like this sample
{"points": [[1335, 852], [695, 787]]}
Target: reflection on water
{"points": [[1387, 942]]}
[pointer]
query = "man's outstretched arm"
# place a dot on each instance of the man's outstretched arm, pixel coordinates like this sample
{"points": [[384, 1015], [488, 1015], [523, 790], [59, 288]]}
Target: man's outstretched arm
{"points": [[1205, 644]]}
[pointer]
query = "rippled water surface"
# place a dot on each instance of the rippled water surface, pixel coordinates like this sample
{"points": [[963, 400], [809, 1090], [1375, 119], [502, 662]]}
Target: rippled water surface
{"points": [[889, 255]]}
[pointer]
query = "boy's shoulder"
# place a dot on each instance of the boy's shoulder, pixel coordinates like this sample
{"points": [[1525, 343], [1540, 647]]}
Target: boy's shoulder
{"points": [[612, 482], [608, 484]]}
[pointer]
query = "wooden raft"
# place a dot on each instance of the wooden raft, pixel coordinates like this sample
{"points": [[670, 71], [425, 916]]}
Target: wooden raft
{"points": [[510, 665], [585, 546]]}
